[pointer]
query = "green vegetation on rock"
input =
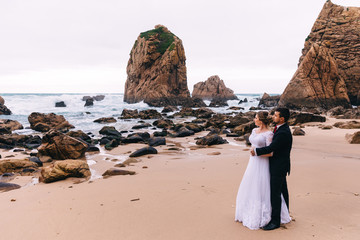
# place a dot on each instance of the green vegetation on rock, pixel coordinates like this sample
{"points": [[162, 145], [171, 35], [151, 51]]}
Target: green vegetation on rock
{"points": [[165, 39]]}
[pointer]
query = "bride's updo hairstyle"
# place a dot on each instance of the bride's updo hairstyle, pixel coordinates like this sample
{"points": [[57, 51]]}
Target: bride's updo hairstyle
{"points": [[264, 117]]}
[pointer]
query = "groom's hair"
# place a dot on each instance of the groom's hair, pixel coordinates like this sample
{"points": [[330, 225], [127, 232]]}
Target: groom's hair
{"points": [[284, 112]]}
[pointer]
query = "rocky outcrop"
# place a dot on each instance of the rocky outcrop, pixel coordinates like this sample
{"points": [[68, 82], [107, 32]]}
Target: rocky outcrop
{"points": [[7, 125], [269, 101], [156, 69], [44, 122], [64, 169], [59, 146], [339, 27], [3, 109], [213, 88], [316, 83], [353, 138], [16, 165]]}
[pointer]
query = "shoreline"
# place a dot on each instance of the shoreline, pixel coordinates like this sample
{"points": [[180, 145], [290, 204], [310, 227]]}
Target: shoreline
{"points": [[190, 194]]}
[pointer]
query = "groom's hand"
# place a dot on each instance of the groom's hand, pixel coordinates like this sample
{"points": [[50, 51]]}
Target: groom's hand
{"points": [[252, 152]]}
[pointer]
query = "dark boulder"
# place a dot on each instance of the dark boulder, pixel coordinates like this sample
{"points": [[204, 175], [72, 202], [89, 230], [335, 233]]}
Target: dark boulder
{"points": [[60, 104], [144, 151], [211, 140], [157, 141]]}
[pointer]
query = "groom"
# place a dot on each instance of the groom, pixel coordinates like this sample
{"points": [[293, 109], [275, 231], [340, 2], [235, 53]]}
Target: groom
{"points": [[279, 164]]}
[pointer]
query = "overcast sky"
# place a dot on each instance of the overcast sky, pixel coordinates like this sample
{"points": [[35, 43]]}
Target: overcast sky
{"points": [[84, 45]]}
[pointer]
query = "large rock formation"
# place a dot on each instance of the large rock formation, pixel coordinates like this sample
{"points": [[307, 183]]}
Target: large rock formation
{"points": [[3, 109], [156, 69], [317, 82], [340, 27], [213, 88]]}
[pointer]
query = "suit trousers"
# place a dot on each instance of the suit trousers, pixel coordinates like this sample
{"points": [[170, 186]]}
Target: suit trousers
{"points": [[278, 186]]}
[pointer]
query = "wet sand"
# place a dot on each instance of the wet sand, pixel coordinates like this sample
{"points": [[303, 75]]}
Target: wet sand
{"points": [[189, 193]]}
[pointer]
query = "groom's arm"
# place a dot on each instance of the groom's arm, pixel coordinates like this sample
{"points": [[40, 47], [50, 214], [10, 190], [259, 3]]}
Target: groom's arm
{"points": [[276, 144]]}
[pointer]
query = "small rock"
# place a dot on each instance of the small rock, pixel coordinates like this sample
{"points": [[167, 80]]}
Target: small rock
{"points": [[144, 151], [115, 171]]}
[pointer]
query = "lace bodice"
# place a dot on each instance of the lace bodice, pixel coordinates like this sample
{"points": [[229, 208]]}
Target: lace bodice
{"points": [[263, 139]]}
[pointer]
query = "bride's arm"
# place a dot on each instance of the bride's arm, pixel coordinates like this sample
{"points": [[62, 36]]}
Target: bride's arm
{"points": [[268, 141]]}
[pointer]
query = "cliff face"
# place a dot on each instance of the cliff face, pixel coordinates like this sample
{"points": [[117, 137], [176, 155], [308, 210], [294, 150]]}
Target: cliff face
{"points": [[213, 88], [317, 82], [339, 27], [156, 69]]}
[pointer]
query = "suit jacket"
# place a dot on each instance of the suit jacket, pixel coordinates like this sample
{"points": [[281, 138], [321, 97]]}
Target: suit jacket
{"points": [[280, 147]]}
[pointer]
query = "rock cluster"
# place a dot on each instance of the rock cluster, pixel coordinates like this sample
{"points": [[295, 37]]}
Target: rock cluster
{"points": [[329, 68], [213, 88]]}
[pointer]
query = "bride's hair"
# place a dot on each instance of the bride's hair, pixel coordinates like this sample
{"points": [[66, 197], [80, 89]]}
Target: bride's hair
{"points": [[264, 117]]}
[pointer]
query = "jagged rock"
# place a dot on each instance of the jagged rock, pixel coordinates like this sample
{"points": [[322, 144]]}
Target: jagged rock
{"points": [[115, 171], [2, 101], [213, 88], [163, 123], [157, 141], [340, 27], [211, 140], [99, 97], [348, 125], [63, 169], [10, 125], [9, 141], [353, 138], [4, 110], [16, 165], [304, 117], [235, 108], [136, 138], [60, 104], [79, 135], [110, 131], [298, 131], [4, 186], [86, 98], [199, 113], [59, 146], [89, 102], [144, 151], [140, 126], [128, 113], [170, 109], [217, 102], [243, 101], [156, 69], [44, 122], [217, 120], [105, 120], [244, 128], [183, 132], [316, 83], [194, 127], [160, 134], [269, 101], [238, 120], [149, 114]]}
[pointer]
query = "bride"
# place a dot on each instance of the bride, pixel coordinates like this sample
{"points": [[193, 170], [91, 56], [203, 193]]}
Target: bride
{"points": [[253, 207]]}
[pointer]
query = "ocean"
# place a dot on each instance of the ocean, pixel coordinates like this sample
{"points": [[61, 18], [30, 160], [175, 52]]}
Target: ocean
{"points": [[23, 104]]}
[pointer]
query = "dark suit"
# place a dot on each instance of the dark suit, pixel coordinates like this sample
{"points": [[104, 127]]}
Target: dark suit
{"points": [[279, 167]]}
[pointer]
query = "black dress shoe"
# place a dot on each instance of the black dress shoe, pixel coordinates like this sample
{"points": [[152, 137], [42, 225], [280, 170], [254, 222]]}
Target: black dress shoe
{"points": [[270, 226]]}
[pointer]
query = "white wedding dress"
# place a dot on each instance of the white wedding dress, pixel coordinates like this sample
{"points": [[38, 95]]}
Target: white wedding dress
{"points": [[253, 207]]}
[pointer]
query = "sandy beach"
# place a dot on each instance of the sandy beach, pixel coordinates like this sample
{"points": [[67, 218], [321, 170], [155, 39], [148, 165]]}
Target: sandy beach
{"points": [[190, 193]]}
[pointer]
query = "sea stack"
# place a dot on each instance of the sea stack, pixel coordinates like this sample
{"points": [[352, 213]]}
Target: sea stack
{"points": [[316, 83], [156, 71], [339, 27], [213, 88]]}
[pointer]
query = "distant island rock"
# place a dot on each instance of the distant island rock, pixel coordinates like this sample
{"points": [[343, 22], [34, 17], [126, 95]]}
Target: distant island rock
{"points": [[338, 28], [269, 101], [213, 88], [3, 109], [156, 70]]}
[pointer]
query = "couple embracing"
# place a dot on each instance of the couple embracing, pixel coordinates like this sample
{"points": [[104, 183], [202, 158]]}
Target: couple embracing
{"points": [[263, 198]]}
